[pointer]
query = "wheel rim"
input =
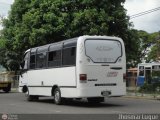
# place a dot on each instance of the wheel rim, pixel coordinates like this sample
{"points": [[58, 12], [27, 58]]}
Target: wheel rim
{"points": [[57, 96]]}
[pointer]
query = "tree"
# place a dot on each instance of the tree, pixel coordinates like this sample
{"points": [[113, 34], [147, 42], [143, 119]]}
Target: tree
{"points": [[36, 22], [145, 42], [154, 53], [133, 49]]}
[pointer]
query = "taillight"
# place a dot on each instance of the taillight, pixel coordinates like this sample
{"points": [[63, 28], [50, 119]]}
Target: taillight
{"points": [[124, 77], [83, 77]]}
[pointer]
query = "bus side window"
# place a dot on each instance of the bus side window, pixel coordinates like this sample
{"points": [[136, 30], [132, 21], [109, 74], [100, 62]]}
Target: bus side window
{"points": [[54, 58], [141, 70], [141, 73], [41, 60], [32, 62], [69, 56]]}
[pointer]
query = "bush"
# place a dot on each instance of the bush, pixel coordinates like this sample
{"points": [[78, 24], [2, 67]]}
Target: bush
{"points": [[149, 88]]}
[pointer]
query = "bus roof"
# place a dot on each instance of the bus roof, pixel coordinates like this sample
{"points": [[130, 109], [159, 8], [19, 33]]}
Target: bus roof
{"points": [[69, 42]]}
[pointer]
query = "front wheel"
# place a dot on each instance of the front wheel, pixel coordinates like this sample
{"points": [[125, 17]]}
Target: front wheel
{"points": [[57, 97]]}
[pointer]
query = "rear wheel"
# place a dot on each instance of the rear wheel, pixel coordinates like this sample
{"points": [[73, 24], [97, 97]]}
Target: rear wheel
{"points": [[57, 97]]}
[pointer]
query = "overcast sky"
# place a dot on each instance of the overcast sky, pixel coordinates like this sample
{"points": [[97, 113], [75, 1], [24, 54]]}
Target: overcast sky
{"points": [[5, 6], [149, 22]]}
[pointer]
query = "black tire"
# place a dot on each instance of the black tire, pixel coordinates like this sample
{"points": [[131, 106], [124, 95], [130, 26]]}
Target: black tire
{"points": [[32, 98], [58, 100], [24, 89], [95, 99], [7, 89]]}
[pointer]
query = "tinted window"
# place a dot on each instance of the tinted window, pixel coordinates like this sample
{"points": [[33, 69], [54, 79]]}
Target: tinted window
{"points": [[32, 62], [141, 70], [103, 51], [69, 56], [54, 58], [26, 61], [41, 60], [156, 67]]}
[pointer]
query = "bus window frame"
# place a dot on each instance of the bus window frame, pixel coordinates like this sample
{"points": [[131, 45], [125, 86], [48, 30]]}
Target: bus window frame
{"points": [[25, 62]]}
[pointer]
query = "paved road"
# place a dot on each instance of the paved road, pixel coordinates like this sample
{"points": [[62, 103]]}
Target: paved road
{"points": [[16, 103]]}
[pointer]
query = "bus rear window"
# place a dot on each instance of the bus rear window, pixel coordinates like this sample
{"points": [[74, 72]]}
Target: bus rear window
{"points": [[103, 51]]}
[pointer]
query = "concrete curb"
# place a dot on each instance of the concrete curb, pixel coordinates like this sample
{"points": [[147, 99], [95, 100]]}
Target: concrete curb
{"points": [[143, 96], [14, 90]]}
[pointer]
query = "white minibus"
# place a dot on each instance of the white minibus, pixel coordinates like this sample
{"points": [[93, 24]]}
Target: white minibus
{"points": [[91, 67]]}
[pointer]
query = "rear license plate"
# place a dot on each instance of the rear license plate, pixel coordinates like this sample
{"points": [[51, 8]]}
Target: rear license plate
{"points": [[105, 93]]}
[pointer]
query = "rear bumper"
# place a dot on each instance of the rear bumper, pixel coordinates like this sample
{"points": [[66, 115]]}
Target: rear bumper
{"points": [[93, 92]]}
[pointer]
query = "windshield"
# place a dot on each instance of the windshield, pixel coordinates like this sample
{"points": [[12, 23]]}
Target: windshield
{"points": [[103, 51]]}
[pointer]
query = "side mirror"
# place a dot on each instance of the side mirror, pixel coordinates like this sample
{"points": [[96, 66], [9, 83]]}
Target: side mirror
{"points": [[22, 68], [22, 64]]}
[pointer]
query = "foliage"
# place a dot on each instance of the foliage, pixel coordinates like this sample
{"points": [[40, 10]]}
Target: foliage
{"points": [[149, 88], [133, 50], [32, 23], [37, 22], [154, 54], [145, 42], [9, 59], [139, 44], [144, 47]]}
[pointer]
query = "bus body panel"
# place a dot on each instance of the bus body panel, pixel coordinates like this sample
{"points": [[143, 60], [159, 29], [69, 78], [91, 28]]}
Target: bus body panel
{"points": [[44, 79], [92, 92], [50, 77], [100, 76]]}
